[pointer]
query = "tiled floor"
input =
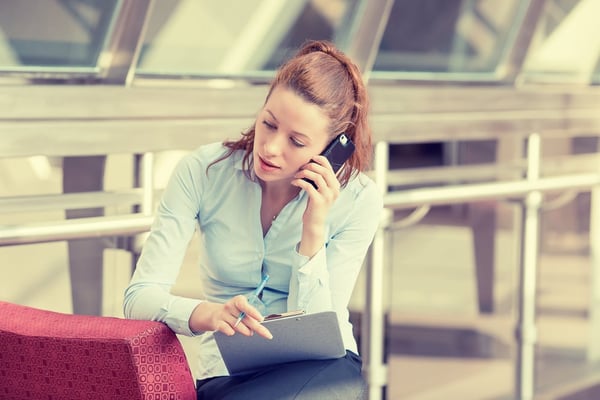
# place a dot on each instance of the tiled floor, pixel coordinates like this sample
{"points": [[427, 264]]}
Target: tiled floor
{"points": [[439, 346]]}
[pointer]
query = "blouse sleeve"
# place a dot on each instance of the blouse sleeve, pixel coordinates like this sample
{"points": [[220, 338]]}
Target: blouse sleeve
{"points": [[148, 294], [326, 281]]}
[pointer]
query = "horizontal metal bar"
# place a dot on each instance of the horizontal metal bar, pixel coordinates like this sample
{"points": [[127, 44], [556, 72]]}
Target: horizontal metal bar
{"points": [[398, 177], [485, 191], [50, 71], [69, 201], [572, 163], [136, 223], [122, 225], [449, 174]]}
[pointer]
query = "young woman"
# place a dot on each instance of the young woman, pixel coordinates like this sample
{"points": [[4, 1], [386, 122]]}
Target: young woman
{"points": [[258, 215]]}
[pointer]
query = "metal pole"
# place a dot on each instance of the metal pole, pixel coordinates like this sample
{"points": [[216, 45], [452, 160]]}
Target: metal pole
{"points": [[147, 207], [593, 353], [373, 328], [526, 334]]}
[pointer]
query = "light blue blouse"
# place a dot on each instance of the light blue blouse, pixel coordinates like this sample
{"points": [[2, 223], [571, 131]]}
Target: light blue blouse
{"points": [[225, 205]]}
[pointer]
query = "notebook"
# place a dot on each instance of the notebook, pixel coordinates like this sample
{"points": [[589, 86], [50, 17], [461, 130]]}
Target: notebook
{"points": [[295, 338]]}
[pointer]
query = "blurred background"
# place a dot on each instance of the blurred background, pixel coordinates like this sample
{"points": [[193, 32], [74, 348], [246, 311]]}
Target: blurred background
{"points": [[484, 280]]}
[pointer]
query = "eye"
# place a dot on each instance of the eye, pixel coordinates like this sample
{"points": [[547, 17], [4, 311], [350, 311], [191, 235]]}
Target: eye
{"points": [[296, 142], [269, 125]]}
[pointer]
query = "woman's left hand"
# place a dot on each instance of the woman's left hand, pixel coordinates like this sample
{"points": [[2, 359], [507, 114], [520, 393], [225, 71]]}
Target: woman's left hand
{"points": [[320, 200]]}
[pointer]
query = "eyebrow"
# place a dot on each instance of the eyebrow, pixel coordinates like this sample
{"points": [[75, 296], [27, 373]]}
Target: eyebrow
{"points": [[294, 132]]}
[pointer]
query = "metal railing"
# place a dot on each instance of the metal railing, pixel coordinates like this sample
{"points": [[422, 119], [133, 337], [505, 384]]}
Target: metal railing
{"points": [[120, 225], [127, 119], [529, 191]]}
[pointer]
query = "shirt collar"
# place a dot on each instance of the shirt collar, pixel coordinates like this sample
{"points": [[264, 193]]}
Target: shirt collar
{"points": [[238, 163]]}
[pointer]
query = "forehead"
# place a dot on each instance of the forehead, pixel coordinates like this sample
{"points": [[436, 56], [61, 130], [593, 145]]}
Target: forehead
{"points": [[293, 112]]}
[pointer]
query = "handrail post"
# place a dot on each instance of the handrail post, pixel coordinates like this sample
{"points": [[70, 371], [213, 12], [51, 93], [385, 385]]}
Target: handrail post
{"points": [[373, 326], [147, 183], [593, 351], [526, 335]]}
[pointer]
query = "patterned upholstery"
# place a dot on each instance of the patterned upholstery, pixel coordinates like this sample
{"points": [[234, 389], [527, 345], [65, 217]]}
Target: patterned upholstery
{"points": [[55, 356]]}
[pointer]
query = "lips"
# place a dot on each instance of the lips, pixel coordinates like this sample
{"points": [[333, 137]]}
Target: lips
{"points": [[267, 166]]}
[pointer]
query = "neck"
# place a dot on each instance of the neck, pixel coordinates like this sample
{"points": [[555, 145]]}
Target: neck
{"points": [[279, 191], [274, 197]]}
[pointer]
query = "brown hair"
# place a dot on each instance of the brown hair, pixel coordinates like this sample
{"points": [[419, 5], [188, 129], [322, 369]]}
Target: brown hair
{"points": [[323, 75]]}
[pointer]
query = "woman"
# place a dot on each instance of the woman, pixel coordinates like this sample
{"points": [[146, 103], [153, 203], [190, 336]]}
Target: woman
{"points": [[258, 214]]}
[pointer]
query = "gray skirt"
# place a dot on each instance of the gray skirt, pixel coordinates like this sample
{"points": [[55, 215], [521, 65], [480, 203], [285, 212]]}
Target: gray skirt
{"points": [[339, 378]]}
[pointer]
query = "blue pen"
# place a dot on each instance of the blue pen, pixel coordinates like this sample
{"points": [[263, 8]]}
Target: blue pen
{"points": [[254, 294]]}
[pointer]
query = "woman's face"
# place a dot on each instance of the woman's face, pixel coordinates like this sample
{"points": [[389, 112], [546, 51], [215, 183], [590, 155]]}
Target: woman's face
{"points": [[289, 131]]}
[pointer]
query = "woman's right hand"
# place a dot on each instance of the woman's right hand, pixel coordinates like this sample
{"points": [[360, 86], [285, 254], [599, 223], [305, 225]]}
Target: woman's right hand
{"points": [[209, 316]]}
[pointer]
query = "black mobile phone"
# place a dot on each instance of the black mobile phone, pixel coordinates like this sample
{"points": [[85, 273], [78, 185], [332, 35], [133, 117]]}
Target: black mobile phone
{"points": [[337, 152]]}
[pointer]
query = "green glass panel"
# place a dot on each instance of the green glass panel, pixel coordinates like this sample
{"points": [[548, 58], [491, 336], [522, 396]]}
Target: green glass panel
{"points": [[447, 36], [53, 33], [230, 37]]}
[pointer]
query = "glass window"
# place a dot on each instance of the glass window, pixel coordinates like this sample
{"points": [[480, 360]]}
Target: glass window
{"points": [[230, 37], [566, 46], [446, 36], [53, 33]]}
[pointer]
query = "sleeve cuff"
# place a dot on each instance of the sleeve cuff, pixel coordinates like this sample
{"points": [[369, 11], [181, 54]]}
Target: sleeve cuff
{"points": [[309, 282], [178, 315]]}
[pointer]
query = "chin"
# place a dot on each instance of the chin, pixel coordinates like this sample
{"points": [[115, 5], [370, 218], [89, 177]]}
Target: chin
{"points": [[266, 177], [258, 174]]}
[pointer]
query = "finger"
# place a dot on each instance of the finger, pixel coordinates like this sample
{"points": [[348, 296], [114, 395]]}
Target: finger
{"points": [[238, 305], [242, 304], [226, 328], [324, 169], [315, 177], [229, 325], [239, 302], [243, 327], [252, 321], [332, 182], [322, 161], [318, 164], [232, 310], [302, 184], [256, 326]]}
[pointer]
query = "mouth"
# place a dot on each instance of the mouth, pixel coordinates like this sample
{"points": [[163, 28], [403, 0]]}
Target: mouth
{"points": [[266, 165]]}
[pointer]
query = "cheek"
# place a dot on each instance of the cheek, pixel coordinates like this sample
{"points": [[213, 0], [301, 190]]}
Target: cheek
{"points": [[257, 131], [259, 135], [297, 161]]}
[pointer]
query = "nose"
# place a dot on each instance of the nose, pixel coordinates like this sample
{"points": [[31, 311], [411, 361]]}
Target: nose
{"points": [[274, 145]]}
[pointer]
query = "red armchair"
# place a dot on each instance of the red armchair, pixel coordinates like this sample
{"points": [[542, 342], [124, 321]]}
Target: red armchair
{"points": [[50, 355]]}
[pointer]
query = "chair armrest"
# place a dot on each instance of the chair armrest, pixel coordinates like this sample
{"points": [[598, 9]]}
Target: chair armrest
{"points": [[49, 354]]}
